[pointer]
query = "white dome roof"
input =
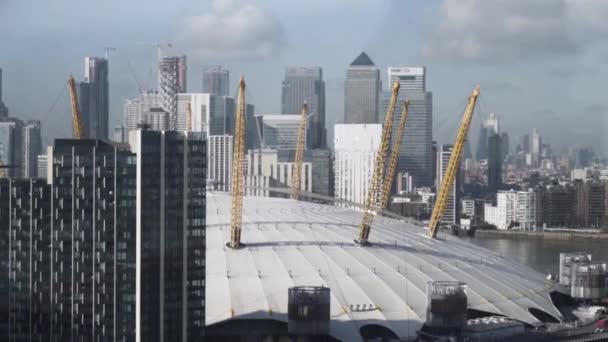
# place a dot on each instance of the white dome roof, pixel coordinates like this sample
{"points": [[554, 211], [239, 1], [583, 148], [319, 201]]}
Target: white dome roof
{"points": [[291, 243]]}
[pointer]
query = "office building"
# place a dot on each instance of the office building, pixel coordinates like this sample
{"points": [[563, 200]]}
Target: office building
{"points": [[505, 147], [120, 134], [489, 126], [10, 147], [172, 81], [274, 168], [170, 231], [495, 159], [280, 131], [25, 267], [355, 149], [92, 292], [216, 81], [31, 148], [415, 151], [450, 214], [557, 205], [305, 85], [322, 172], [536, 142], [42, 166], [362, 91], [221, 116], [3, 109], [220, 154], [94, 98]]}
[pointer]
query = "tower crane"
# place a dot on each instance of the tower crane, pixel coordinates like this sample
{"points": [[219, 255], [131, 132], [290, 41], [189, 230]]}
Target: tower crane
{"points": [[77, 125], [453, 165], [375, 188], [392, 164], [299, 160], [236, 219]]}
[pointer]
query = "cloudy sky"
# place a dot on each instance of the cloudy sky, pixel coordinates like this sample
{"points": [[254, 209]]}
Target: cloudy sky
{"points": [[540, 63]]}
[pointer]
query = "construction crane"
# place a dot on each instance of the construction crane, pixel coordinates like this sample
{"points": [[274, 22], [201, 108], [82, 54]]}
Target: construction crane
{"points": [[453, 165], [189, 117], [296, 184], [236, 219], [374, 192], [77, 125], [392, 164]]}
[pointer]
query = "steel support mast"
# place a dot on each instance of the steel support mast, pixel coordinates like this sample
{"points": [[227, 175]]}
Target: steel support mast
{"points": [[236, 218], [374, 192], [453, 165], [77, 125], [392, 164], [299, 159]]}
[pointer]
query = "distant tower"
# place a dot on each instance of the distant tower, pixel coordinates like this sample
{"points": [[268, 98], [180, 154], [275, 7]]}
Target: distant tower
{"points": [[362, 91], [536, 142], [216, 81], [444, 153], [94, 98], [3, 109], [305, 84], [172, 80], [489, 126], [495, 159], [32, 146]]}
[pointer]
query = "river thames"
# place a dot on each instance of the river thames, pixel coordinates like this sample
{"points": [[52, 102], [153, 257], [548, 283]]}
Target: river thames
{"points": [[543, 255]]}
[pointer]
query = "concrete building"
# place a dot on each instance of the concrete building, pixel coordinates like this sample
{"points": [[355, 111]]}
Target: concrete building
{"points": [[94, 98], [305, 85], [322, 172], [590, 203], [216, 81], [42, 166], [280, 131], [495, 160], [274, 168], [134, 107], [514, 209], [170, 235], [355, 149], [172, 81], [362, 91], [450, 214], [415, 152], [220, 154], [557, 205]]}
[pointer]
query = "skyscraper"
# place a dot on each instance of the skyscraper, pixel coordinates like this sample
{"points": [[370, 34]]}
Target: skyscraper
{"points": [[536, 142], [488, 127], [495, 159], [450, 214], [220, 161], [415, 152], [280, 131], [216, 81], [10, 146], [305, 85], [3, 109], [356, 146], [31, 147], [172, 80], [170, 235], [94, 98], [362, 91]]}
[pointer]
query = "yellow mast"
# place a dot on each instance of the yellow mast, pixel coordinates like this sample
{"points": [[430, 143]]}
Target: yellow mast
{"points": [[392, 166], [236, 219], [375, 188], [299, 159], [453, 165], [77, 125]]}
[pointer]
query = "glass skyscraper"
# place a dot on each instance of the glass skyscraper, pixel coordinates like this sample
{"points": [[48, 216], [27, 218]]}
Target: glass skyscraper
{"points": [[94, 98], [362, 91]]}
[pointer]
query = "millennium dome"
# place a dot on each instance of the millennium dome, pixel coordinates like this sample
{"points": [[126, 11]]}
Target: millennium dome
{"points": [[294, 243]]}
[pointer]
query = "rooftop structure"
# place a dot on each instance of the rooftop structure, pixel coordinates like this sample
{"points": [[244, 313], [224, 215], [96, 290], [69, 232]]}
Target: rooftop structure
{"points": [[291, 243]]}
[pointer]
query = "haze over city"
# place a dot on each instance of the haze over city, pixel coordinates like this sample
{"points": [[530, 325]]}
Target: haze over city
{"points": [[540, 63]]}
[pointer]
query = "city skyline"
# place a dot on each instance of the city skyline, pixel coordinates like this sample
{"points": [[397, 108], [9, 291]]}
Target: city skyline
{"points": [[522, 86]]}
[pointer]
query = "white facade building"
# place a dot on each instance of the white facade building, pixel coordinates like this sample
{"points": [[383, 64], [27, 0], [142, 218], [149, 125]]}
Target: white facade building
{"points": [[274, 168], [411, 79], [513, 206], [443, 159], [468, 207], [219, 172], [356, 146]]}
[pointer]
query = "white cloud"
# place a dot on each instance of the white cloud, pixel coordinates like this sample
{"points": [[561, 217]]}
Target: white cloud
{"points": [[232, 30], [508, 30]]}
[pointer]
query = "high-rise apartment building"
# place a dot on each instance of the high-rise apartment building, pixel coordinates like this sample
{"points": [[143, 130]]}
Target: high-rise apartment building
{"points": [[94, 97], [362, 91], [513, 208], [216, 81], [450, 214], [42, 166], [10, 147], [274, 168], [172, 81], [305, 85], [135, 107], [355, 149], [220, 154], [415, 151], [170, 235]]}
